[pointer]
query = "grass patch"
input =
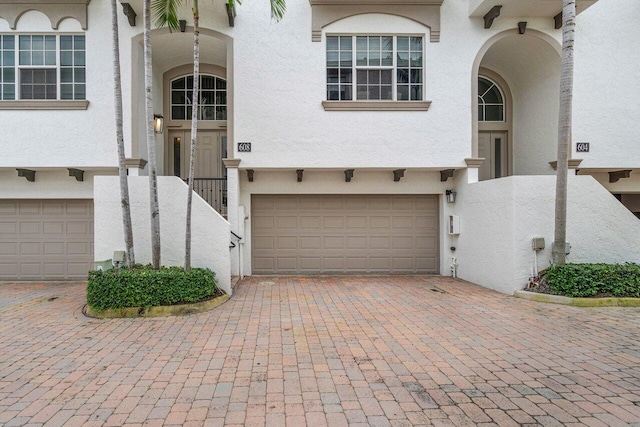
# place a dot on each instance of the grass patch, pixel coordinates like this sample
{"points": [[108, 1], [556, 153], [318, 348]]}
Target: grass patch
{"points": [[142, 286], [594, 280]]}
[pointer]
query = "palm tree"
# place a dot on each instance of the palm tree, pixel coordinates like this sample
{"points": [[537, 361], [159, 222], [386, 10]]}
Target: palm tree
{"points": [[166, 13], [151, 139], [122, 167], [564, 129]]}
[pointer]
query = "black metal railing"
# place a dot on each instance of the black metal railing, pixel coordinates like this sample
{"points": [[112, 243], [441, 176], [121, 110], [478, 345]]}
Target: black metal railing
{"points": [[213, 191]]}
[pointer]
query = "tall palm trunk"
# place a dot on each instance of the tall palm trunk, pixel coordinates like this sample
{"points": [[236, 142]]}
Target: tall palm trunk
{"points": [[564, 129], [122, 166], [151, 139], [194, 130]]}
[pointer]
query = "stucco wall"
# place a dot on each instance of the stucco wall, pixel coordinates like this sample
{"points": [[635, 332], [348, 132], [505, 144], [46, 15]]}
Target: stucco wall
{"points": [[66, 138], [500, 217], [210, 236], [49, 184], [332, 182], [280, 84], [606, 87]]}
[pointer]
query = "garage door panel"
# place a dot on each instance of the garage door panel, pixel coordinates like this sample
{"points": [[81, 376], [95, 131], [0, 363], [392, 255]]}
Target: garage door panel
{"points": [[30, 248], [46, 239], [286, 204], [286, 243], [333, 222], [29, 208], [263, 222], [28, 229], [333, 242], [345, 234], [8, 229], [8, 248], [51, 228], [53, 208], [357, 222], [76, 228]]}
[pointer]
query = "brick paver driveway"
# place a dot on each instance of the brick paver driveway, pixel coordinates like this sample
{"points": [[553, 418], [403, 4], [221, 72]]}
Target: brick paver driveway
{"points": [[320, 351]]}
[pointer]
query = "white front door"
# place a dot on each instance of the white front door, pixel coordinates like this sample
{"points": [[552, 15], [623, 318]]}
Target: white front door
{"points": [[493, 146], [211, 149]]}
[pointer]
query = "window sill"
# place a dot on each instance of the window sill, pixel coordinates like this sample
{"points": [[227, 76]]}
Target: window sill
{"points": [[44, 105], [376, 105]]}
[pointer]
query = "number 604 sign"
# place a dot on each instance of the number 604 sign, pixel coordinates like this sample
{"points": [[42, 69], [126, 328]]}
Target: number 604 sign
{"points": [[582, 147]]}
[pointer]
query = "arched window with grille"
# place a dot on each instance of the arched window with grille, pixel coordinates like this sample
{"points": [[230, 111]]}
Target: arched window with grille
{"points": [[491, 107], [212, 103]]}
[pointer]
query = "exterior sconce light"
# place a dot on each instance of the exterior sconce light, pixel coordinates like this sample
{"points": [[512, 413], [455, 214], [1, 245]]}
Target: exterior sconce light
{"points": [[158, 123], [451, 196], [183, 25]]}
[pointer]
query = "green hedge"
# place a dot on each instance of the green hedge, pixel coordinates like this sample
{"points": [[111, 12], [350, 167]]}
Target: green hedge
{"points": [[588, 280], [143, 286]]}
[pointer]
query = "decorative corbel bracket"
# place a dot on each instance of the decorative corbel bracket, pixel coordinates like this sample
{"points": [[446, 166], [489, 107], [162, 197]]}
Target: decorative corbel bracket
{"points": [[522, 27], [231, 14], [129, 13], [250, 175], [348, 174], [557, 21], [76, 173], [299, 173], [397, 174], [29, 174], [617, 175], [491, 15], [446, 174]]}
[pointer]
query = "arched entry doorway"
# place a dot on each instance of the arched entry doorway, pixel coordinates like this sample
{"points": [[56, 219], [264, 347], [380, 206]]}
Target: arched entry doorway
{"points": [[210, 173], [525, 70]]}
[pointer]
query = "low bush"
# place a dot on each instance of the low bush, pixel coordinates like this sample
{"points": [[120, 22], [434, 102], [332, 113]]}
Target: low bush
{"points": [[589, 280], [143, 286]]}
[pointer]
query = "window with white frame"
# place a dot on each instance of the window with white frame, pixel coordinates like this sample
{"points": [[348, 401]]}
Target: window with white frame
{"points": [[490, 101], [375, 68], [42, 67], [212, 103]]}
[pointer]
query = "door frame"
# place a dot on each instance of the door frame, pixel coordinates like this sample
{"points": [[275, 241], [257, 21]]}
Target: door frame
{"points": [[507, 125]]}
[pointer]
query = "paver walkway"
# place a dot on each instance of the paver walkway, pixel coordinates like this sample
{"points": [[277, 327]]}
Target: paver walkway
{"points": [[320, 351]]}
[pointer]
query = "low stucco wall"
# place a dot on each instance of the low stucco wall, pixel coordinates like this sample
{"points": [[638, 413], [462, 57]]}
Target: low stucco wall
{"points": [[210, 231], [500, 217]]}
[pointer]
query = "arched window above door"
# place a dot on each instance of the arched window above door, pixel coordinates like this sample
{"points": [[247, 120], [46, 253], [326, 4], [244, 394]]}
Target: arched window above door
{"points": [[212, 103], [491, 106]]}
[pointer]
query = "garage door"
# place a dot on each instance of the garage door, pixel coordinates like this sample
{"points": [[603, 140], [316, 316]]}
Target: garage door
{"points": [[307, 234], [45, 239]]}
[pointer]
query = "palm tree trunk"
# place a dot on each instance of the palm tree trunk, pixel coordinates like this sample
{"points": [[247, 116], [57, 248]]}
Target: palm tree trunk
{"points": [[564, 129], [151, 139], [194, 129], [122, 166]]}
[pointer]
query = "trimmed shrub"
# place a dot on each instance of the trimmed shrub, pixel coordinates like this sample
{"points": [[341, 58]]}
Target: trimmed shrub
{"points": [[143, 286], [589, 280]]}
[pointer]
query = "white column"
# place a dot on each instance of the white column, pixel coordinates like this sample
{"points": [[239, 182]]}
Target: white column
{"points": [[233, 199]]}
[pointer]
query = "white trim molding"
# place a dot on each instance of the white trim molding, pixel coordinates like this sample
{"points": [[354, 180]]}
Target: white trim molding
{"points": [[56, 10], [376, 105], [44, 105], [425, 12]]}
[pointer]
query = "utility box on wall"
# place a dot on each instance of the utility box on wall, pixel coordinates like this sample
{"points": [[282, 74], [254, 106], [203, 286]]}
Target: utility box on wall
{"points": [[454, 224]]}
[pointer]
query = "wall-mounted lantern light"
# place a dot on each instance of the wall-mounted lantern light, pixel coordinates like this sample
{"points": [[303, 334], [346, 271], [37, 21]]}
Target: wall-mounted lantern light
{"points": [[158, 123], [451, 196]]}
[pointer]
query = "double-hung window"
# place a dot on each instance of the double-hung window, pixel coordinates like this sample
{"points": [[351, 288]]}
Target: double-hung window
{"points": [[42, 67], [375, 68]]}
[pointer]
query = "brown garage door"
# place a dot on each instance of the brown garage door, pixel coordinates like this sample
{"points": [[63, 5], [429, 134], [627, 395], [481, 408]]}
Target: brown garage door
{"points": [[307, 234], [45, 239]]}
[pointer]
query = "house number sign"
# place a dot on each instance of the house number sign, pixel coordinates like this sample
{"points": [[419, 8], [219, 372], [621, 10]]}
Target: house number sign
{"points": [[582, 147], [244, 147]]}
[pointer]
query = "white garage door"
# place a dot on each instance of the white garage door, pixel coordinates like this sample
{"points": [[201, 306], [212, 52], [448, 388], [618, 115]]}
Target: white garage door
{"points": [[45, 239], [314, 234]]}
